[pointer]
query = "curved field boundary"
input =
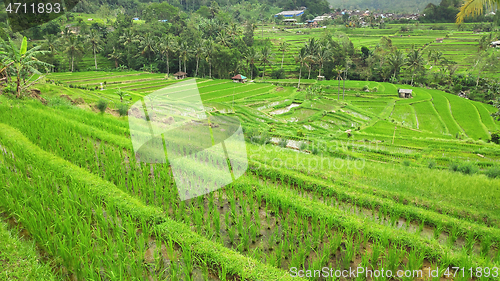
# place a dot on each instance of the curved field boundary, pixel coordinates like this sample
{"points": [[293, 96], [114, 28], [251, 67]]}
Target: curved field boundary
{"points": [[467, 116], [428, 118], [104, 191], [485, 116], [404, 112], [442, 106]]}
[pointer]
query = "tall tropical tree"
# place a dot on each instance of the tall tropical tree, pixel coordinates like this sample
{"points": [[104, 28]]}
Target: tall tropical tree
{"points": [[73, 49], [312, 49], [167, 46], [265, 57], [198, 51], [321, 56], [95, 41], [148, 46], [474, 8], [338, 70], [396, 60], [22, 62], [415, 61], [116, 56], [208, 49], [283, 48], [252, 57], [301, 59]]}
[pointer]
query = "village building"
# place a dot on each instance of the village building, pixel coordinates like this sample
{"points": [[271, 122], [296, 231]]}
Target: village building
{"points": [[289, 14], [290, 21], [439, 40], [495, 44], [239, 78], [405, 93], [180, 75]]}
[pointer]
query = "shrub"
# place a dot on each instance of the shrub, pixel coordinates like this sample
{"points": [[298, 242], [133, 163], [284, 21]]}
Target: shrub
{"points": [[365, 88], [102, 105], [300, 133], [282, 142], [315, 151], [454, 166], [493, 172], [122, 109], [278, 74], [406, 162], [495, 137], [58, 102], [431, 164], [374, 89], [302, 145], [468, 168]]}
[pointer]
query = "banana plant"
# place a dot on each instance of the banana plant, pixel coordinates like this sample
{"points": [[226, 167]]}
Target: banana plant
{"points": [[22, 62]]}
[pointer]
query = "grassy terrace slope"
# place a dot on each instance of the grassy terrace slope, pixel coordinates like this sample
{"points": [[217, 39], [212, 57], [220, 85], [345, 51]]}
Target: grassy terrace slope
{"points": [[365, 200]]}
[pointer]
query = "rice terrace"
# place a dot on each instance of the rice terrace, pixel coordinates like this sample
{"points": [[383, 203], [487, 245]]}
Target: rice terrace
{"points": [[268, 150]]}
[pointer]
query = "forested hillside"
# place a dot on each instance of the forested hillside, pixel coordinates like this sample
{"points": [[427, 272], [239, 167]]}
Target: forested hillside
{"points": [[409, 6]]}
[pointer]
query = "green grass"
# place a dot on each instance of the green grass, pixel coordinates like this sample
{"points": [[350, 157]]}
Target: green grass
{"points": [[19, 258]]}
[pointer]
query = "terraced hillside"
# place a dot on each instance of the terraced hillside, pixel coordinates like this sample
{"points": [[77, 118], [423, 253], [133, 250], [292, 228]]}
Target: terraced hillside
{"points": [[312, 197]]}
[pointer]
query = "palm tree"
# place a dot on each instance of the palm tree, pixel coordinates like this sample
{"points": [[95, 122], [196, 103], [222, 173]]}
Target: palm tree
{"points": [[396, 60], [265, 57], [208, 49], [22, 61], [415, 61], [283, 48], [301, 59], [252, 57], [148, 46], [312, 49], [321, 56], [475, 7], [198, 50], [339, 69], [167, 46], [50, 43], [116, 56], [94, 39], [73, 50]]}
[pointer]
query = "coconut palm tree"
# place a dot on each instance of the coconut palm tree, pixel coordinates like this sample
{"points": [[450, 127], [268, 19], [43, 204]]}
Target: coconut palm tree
{"points": [[338, 69], [21, 61], [283, 48], [312, 49], [116, 56], [198, 51], [301, 59], [474, 8], [415, 61], [396, 60], [252, 57], [148, 46], [167, 46], [94, 39], [321, 55], [265, 57], [208, 49], [73, 50]]}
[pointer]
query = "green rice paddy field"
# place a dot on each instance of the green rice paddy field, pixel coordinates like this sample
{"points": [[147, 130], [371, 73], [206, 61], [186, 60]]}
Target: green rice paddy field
{"points": [[458, 46], [75, 199]]}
